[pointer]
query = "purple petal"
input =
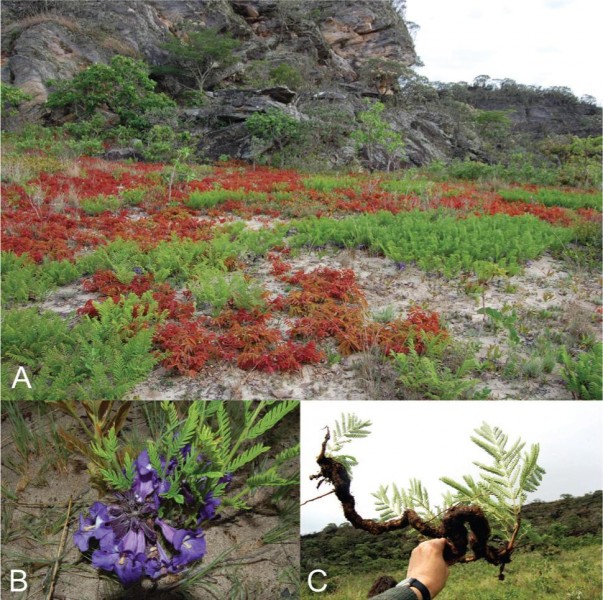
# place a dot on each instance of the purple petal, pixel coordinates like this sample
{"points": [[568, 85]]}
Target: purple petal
{"points": [[143, 486], [129, 568], [143, 464], [167, 530], [133, 541], [105, 559], [191, 546], [208, 510], [90, 529], [98, 509]]}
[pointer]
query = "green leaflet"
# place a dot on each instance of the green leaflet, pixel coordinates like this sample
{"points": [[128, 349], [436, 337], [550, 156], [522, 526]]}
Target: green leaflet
{"points": [[504, 483], [247, 457], [223, 435], [500, 490], [278, 411]]}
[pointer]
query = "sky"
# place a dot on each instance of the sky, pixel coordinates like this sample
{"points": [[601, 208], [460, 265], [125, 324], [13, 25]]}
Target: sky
{"points": [[428, 440], [535, 42]]}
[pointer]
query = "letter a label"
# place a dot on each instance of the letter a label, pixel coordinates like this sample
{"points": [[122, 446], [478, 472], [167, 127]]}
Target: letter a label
{"points": [[21, 378]]}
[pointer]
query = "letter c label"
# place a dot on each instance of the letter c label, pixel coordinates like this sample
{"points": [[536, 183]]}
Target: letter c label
{"points": [[320, 589]]}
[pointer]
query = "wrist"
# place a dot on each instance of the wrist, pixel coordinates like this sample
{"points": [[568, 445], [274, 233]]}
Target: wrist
{"points": [[420, 590]]}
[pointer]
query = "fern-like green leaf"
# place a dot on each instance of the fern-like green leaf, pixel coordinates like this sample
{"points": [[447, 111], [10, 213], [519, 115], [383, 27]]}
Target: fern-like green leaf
{"points": [[278, 411], [246, 457]]}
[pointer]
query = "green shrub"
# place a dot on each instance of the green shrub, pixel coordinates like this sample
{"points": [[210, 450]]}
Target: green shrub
{"points": [[329, 183], [211, 198], [100, 358], [134, 196], [23, 280], [494, 244], [11, 97], [274, 127], [471, 170], [123, 87], [215, 289], [428, 377], [550, 197], [583, 374], [199, 54], [408, 186], [100, 204], [377, 136], [287, 75]]}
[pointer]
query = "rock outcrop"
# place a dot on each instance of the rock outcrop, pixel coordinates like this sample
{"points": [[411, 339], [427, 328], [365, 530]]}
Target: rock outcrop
{"points": [[338, 51], [54, 40]]}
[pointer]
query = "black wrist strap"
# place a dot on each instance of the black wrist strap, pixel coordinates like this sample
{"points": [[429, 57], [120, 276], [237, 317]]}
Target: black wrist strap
{"points": [[417, 584]]}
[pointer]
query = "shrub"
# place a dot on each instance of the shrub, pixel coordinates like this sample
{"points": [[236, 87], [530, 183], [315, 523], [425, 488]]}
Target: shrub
{"points": [[583, 374], [100, 204], [211, 198], [274, 127], [123, 87], [199, 53], [287, 75], [216, 289], [376, 135], [487, 245], [328, 183], [429, 377], [11, 97], [550, 197]]}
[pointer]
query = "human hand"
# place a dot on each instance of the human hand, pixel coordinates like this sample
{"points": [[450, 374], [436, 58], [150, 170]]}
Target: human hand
{"points": [[428, 566]]}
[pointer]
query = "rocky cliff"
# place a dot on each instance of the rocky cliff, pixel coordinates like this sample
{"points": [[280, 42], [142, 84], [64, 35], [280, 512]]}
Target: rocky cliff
{"points": [[332, 39], [340, 51]]}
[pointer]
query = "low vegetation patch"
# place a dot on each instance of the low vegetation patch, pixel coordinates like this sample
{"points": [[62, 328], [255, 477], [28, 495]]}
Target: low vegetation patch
{"points": [[194, 267]]}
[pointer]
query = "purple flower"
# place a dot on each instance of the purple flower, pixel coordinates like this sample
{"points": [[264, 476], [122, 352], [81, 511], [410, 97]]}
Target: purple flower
{"points": [[126, 534], [93, 527], [167, 530], [134, 542], [159, 563], [227, 479], [147, 481], [132, 520], [129, 567], [208, 510], [190, 544]]}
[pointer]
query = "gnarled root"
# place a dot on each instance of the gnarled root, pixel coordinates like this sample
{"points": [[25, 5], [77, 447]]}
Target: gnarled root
{"points": [[452, 527]]}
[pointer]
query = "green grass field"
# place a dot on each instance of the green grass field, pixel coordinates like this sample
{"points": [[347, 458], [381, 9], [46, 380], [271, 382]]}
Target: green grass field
{"points": [[573, 574]]}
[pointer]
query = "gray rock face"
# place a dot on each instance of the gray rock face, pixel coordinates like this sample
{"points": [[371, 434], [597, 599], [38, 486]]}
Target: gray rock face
{"points": [[55, 40], [329, 43]]}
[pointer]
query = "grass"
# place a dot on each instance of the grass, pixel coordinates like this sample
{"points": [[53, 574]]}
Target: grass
{"points": [[329, 183], [573, 574]]}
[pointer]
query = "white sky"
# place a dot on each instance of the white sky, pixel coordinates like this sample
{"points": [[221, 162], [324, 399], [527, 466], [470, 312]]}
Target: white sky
{"points": [[428, 440], [535, 42]]}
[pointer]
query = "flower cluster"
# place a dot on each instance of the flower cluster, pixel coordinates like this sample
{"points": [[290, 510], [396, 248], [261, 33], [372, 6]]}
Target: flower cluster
{"points": [[131, 540]]}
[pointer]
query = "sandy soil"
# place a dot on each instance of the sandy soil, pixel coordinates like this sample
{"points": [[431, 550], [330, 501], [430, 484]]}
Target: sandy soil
{"points": [[571, 298]]}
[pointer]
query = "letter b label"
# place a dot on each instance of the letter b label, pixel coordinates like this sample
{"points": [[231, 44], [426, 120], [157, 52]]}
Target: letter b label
{"points": [[18, 580]]}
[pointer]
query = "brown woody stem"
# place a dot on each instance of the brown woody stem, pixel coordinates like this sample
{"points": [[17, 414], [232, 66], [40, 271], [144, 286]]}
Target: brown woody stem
{"points": [[452, 527]]}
